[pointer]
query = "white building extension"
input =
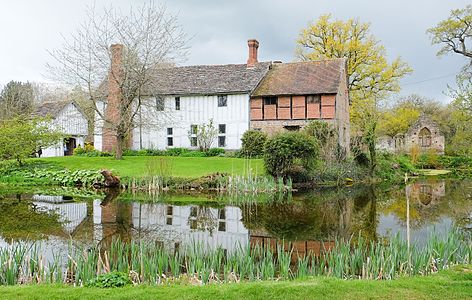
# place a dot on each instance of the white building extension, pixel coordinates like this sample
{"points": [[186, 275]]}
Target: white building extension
{"points": [[67, 118]]}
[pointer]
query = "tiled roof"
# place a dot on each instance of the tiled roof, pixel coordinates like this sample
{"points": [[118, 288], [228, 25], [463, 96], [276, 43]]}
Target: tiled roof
{"points": [[208, 79], [50, 109], [302, 78]]}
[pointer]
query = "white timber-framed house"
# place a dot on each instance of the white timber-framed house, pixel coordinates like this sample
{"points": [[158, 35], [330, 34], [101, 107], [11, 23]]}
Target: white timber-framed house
{"points": [[67, 118]]}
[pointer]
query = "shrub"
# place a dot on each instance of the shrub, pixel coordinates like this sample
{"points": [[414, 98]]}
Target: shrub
{"points": [[290, 154], [176, 151], [193, 154], [215, 152], [253, 143], [79, 150], [110, 280]]}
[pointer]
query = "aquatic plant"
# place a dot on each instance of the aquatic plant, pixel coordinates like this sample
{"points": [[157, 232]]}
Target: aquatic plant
{"points": [[151, 263]]}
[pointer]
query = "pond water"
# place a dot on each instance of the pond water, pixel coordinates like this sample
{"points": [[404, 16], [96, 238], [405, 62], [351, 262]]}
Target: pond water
{"points": [[308, 220]]}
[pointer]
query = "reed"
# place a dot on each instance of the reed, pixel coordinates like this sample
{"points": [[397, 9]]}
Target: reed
{"points": [[149, 263]]}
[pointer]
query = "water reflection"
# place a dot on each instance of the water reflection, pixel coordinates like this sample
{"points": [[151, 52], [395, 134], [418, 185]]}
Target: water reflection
{"points": [[309, 222]]}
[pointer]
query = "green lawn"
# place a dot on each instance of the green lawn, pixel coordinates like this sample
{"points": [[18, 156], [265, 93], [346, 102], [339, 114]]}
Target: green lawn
{"points": [[188, 167], [445, 285]]}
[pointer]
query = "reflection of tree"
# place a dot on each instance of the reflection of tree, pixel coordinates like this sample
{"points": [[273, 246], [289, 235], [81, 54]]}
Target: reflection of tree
{"points": [[201, 218], [22, 220], [365, 219], [320, 215], [426, 208]]}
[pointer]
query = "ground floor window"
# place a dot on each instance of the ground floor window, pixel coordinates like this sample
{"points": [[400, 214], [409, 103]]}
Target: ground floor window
{"points": [[222, 135], [193, 135]]}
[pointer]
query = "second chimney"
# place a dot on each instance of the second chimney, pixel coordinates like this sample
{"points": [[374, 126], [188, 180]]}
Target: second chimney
{"points": [[252, 59]]}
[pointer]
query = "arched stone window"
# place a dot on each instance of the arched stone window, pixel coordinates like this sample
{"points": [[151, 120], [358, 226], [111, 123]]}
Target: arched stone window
{"points": [[424, 137]]}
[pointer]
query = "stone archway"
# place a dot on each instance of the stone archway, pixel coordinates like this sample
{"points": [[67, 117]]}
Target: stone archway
{"points": [[424, 137]]}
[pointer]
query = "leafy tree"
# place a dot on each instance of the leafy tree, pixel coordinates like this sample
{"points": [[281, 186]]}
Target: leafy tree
{"points": [[290, 154], [454, 33], [367, 67], [370, 76], [16, 99], [20, 138], [398, 120]]}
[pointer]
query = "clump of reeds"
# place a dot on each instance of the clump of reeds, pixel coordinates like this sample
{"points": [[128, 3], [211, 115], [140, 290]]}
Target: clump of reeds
{"points": [[150, 263]]}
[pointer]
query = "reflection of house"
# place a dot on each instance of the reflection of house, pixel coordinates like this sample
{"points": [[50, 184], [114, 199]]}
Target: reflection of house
{"points": [[426, 193], [68, 119], [423, 135], [179, 226], [299, 248], [71, 214]]}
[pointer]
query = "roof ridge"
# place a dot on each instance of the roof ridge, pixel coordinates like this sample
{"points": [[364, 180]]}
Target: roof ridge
{"points": [[211, 65]]}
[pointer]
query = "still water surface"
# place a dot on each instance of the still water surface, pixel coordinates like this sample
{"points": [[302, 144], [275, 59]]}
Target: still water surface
{"points": [[306, 220]]}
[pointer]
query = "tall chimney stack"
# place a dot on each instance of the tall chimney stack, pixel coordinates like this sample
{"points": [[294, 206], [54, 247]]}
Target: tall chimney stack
{"points": [[252, 59], [112, 111]]}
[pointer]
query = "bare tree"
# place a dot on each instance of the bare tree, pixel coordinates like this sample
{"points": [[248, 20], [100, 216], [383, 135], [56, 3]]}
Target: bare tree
{"points": [[113, 56]]}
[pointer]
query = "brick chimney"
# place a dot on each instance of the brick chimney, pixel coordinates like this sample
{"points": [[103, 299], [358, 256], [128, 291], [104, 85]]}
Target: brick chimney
{"points": [[252, 59], [113, 98]]}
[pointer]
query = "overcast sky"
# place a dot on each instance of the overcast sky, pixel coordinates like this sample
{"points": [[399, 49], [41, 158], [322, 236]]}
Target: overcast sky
{"points": [[219, 31]]}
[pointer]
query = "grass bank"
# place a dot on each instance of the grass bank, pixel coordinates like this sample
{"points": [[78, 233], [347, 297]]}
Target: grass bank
{"points": [[184, 167], [451, 284]]}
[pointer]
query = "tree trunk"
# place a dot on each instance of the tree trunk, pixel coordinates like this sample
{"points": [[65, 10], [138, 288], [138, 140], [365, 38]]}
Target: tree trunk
{"points": [[120, 139]]}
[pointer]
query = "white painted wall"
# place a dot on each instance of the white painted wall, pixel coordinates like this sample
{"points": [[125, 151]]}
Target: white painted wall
{"points": [[194, 110], [151, 125], [71, 122]]}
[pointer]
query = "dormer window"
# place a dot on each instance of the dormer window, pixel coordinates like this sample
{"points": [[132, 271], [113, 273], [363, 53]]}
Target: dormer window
{"points": [[222, 100]]}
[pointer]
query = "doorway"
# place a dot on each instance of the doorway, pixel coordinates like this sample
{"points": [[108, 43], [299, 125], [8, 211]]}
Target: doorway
{"points": [[69, 145]]}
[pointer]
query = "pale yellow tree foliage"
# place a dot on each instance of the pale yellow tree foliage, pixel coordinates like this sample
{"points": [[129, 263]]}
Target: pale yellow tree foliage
{"points": [[398, 120], [370, 74]]}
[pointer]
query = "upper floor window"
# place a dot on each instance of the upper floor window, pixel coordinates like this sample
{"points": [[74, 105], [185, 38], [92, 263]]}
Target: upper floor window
{"points": [[177, 103], [313, 99], [270, 100], [160, 101], [222, 100], [170, 131]]}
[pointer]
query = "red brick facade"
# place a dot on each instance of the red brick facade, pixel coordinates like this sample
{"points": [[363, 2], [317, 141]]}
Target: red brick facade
{"points": [[293, 108]]}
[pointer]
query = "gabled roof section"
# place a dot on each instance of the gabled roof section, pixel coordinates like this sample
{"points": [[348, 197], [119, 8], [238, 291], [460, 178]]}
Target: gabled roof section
{"points": [[303, 78], [53, 108], [208, 79]]}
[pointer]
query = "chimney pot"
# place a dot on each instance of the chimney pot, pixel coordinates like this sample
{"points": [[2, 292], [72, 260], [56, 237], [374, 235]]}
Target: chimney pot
{"points": [[253, 45]]}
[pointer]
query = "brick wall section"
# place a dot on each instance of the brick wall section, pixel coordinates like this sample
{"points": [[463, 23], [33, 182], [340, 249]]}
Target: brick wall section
{"points": [[298, 107], [328, 109], [274, 126], [283, 110], [113, 99]]}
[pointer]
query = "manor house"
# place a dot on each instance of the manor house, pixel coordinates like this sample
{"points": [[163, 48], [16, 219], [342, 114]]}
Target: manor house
{"points": [[267, 96]]}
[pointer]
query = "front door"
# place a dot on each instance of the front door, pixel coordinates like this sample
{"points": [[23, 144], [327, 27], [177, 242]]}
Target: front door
{"points": [[69, 145]]}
